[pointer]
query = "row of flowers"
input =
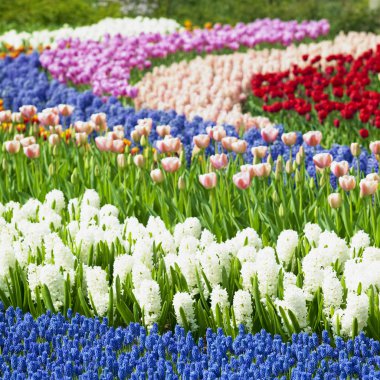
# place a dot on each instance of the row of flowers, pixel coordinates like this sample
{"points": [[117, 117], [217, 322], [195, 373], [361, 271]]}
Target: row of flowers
{"points": [[93, 350], [80, 256], [215, 86], [344, 90], [106, 65], [108, 26]]}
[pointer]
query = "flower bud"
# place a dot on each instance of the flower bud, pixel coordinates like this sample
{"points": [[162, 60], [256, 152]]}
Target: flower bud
{"points": [[289, 167], [157, 176], [121, 161], [298, 177], [281, 211], [139, 160], [135, 136], [355, 149], [311, 183], [51, 170], [335, 200], [74, 176], [181, 183], [96, 171], [143, 141]]}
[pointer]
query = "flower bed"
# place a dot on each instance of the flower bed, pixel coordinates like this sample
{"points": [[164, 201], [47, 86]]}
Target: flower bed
{"points": [[106, 65]]}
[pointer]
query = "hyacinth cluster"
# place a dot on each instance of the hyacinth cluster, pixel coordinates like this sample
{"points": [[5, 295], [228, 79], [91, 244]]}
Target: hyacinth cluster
{"points": [[148, 274], [108, 26], [106, 65], [54, 347]]}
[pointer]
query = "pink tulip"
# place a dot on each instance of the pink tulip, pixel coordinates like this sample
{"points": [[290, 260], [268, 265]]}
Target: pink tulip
{"points": [[289, 139], [157, 176], [169, 145], [65, 109], [28, 111], [368, 187], [219, 161], [322, 160], [269, 134], [201, 141], [54, 139], [239, 146], [208, 181], [18, 136], [12, 147], [373, 177], [17, 118], [81, 138], [242, 180], [227, 142], [171, 164], [339, 169], [48, 118], [163, 130], [117, 146], [32, 151], [248, 169], [375, 147], [312, 138], [139, 160], [103, 144], [5, 116], [257, 170], [26, 141], [216, 133], [259, 151], [347, 182]]}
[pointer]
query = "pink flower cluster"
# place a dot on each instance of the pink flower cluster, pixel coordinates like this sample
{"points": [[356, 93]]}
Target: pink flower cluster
{"points": [[214, 87], [106, 64]]}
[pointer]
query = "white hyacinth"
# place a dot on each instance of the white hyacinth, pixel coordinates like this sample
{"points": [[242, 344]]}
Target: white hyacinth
{"points": [[97, 288], [243, 310], [286, 245], [185, 301]]}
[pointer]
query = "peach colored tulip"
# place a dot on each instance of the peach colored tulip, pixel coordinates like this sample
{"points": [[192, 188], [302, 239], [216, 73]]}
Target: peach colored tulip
{"points": [[135, 136], [289, 139], [242, 180], [169, 145], [103, 144], [117, 146], [12, 147], [54, 139], [259, 151], [368, 187], [312, 138], [18, 136], [339, 169], [5, 116], [157, 176], [208, 181], [247, 168], [334, 200], [26, 141], [139, 160], [219, 161], [119, 128], [115, 135], [82, 126], [144, 126], [99, 118], [216, 133], [163, 130], [239, 146], [171, 164], [81, 138], [347, 182], [28, 111], [322, 160], [56, 129], [373, 177], [269, 134], [261, 170], [32, 151], [65, 109], [227, 142], [48, 118], [201, 141], [375, 147]]}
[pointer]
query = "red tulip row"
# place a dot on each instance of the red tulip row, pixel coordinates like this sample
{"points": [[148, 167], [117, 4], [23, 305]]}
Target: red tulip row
{"points": [[345, 88]]}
